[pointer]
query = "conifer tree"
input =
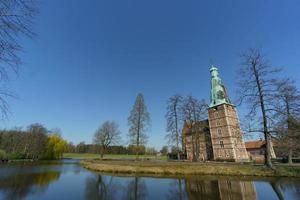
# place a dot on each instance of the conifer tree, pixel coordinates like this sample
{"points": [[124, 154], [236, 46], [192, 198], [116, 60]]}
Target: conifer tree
{"points": [[139, 123]]}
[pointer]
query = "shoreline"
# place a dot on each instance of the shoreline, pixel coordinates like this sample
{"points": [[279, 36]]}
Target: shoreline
{"points": [[187, 168]]}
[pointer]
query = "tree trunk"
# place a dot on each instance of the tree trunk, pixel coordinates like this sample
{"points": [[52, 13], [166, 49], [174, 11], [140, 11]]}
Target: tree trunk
{"points": [[289, 117], [290, 156], [194, 147], [138, 134], [177, 134], [197, 147], [268, 157], [183, 145], [102, 152], [268, 161]]}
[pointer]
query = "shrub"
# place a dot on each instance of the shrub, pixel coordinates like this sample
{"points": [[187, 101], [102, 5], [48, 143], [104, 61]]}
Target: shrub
{"points": [[3, 154]]}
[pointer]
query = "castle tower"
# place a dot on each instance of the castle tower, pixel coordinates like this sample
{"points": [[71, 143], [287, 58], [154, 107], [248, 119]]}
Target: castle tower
{"points": [[226, 134]]}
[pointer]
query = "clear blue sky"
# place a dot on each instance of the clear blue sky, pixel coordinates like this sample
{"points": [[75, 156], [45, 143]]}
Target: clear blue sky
{"points": [[91, 58]]}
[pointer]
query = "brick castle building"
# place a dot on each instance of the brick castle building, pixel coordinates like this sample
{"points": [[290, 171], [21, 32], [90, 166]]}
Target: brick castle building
{"points": [[219, 137]]}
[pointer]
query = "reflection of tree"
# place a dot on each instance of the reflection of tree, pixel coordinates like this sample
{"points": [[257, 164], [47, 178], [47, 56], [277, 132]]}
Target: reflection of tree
{"points": [[176, 190], [277, 190], [17, 186], [288, 186], [136, 189], [100, 188]]}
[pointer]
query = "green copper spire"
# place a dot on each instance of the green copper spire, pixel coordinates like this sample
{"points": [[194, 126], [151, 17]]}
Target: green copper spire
{"points": [[218, 91]]}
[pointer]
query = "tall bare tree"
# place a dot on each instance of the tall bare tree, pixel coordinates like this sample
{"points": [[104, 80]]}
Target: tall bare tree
{"points": [[174, 105], [194, 111], [256, 88], [16, 19], [288, 111], [107, 134], [139, 122]]}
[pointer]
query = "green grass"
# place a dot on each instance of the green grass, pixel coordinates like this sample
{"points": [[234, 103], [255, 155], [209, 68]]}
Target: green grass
{"points": [[110, 156]]}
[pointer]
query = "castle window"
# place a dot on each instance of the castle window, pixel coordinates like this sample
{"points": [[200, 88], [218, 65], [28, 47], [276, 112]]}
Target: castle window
{"points": [[219, 132], [222, 144], [216, 114], [218, 123]]}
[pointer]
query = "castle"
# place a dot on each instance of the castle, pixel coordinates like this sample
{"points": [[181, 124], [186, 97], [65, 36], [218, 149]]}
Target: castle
{"points": [[219, 137]]}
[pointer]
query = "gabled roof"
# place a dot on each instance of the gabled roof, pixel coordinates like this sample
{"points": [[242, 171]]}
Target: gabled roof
{"points": [[255, 144]]}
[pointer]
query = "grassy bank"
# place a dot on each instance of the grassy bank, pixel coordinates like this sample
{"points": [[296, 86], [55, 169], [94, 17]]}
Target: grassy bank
{"points": [[187, 168], [110, 156]]}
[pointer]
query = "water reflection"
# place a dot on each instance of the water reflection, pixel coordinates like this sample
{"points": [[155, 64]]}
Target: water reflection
{"points": [[219, 189], [56, 181], [192, 188], [176, 190], [18, 186], [109, 188], [100, 187], [286, 189]]}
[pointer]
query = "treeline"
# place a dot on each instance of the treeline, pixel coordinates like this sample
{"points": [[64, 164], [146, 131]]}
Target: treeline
{"points": [[117, 149], [35, 143]]}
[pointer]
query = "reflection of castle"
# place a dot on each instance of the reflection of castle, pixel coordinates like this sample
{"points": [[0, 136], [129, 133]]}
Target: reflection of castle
{"points": [[220, 189], [219, 137]]}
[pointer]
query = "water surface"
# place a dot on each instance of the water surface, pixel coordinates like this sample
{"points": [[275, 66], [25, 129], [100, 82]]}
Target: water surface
{"points": [[68, 180]]}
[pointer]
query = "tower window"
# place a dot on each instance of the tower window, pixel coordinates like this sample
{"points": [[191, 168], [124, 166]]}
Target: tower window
{"points": [[222, 144], [216, 114], [218, 123], [220, 132]]}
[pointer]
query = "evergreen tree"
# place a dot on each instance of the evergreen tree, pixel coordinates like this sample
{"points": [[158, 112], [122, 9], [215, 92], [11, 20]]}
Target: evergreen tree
{"points": [[139, 122]]}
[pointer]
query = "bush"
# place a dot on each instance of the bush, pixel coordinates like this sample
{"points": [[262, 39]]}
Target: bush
{"points": [[285, 160], [3, 154], [16, 156]]}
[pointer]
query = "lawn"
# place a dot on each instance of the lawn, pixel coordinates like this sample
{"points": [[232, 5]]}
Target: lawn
{"points": [[111, 156], [189, 168]]}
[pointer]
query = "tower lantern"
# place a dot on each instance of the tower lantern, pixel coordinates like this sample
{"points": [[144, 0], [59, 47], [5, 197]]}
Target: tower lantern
{"points": [[218, 91]]}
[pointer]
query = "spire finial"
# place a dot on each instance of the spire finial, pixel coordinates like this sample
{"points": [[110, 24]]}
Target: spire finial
{"points": [[211, 63]]}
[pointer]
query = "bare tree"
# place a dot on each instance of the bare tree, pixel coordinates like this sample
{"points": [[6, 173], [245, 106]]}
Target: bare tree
{"points": [[35, 141], [288, 110], [139, 122], [194, 111], [107, 135], [16, 19], [173, 121], [256, 88]]}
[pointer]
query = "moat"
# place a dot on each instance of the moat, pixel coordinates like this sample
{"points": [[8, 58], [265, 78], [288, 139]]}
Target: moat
{"points": [[68, 180]]}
